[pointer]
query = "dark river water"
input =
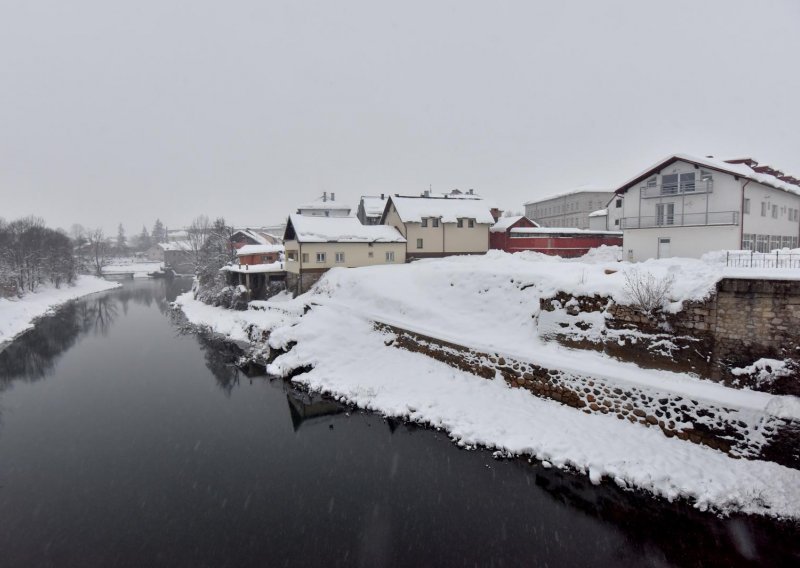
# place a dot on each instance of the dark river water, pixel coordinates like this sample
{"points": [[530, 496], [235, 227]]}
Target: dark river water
{"points": [[125, 442]]}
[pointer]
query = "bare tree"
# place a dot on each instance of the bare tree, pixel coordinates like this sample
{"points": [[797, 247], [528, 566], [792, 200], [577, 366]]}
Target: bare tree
{"points": [[197, 233], [646, 292], [98, 249]]}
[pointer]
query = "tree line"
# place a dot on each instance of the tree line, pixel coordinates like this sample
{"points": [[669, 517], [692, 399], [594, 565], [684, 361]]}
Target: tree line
{"points": [[31, 254]]}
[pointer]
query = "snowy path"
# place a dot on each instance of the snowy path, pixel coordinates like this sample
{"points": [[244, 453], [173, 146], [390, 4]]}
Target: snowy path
{"points": [[18, 315]]}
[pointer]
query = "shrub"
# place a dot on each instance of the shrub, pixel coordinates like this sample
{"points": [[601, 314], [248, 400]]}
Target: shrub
{"points": [[646, 292]]}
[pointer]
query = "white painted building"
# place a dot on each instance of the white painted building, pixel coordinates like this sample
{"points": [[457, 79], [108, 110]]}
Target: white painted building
{"points": [[326, 206], [686, 206]]}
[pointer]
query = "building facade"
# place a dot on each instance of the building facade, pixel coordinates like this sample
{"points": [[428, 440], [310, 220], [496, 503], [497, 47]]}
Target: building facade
{"points": [[687, 206], [440, 226], [569, 209], [314, 245], [326, 206], [370, 209]]}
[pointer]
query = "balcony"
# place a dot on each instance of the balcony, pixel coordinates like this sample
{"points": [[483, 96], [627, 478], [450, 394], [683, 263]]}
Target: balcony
{"points": [[712, 218], [673, 189]]}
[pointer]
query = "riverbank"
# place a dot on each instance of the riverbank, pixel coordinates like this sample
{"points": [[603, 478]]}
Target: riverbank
{"points": [[336, 349], [18, 315]]}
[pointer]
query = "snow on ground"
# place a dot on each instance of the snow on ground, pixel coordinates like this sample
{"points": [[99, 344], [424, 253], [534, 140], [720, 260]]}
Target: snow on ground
{"points": [[490, 303], [17, 315], [125, 266]]}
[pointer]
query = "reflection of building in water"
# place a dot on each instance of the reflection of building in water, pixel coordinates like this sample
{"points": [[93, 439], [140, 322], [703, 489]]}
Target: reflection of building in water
{"points": [[306, 407]]}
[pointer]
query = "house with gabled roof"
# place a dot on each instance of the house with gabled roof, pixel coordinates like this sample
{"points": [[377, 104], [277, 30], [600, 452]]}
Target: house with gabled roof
{"points": [[687, 205], [370, 209], [440, 226], [314, 245]]}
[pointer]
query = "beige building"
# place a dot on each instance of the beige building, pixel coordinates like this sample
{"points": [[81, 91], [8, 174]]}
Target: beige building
{"points": [[440, 226], [314, 245]]}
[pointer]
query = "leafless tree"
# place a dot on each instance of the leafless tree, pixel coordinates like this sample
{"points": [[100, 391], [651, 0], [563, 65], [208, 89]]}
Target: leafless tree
{"points": [[197, 233], [646, 292], [98, 250]]}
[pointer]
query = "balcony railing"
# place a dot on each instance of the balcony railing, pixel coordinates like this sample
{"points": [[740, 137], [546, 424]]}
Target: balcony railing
{"points": [[682, 220], [683, 188]]}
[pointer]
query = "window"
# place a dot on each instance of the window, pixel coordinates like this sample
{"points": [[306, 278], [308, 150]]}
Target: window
{"points": [[675, 183], [774, 211], [786, 242], [370, 254], [762, 243], [665, 214], [747, 206], [471, 223], [460, 223], [616, 222], [265, 260], [652, 182], [435, 222], [424, 222], [339, 257], [305, 257], [748, 241], [320, 257], [292, 255], [618, 203], [419, 243], [774, 242], [390, 256], [763, 208]]}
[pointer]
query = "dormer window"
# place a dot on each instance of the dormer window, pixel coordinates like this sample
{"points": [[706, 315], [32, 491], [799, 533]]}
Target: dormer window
{"points": [[460, 223], [471, 223], [435, 222], [424, 222]]}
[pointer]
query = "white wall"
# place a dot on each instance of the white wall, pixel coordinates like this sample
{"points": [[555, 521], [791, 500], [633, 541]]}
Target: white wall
{"points": [[355, 254], [783, 225], [690, 242]]}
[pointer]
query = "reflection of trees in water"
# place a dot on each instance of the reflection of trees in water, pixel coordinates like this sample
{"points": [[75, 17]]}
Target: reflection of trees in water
{"points": [[221, 358], [33, 356]]}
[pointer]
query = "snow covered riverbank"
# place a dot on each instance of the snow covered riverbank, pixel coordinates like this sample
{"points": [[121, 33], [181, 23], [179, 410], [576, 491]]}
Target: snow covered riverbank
{"points": [[18, 315], [488, 303]]}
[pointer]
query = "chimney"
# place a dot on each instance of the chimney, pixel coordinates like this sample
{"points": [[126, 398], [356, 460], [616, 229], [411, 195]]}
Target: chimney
{"points": [[427, 193], [382, 198], [471, 192], [324, 196], [333, 196]]}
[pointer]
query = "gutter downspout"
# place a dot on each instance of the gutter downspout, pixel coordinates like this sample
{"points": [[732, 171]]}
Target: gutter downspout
{"points": [[741, 221]]}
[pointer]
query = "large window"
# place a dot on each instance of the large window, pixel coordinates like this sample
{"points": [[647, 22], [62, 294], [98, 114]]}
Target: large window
{"points": [[774, 242], [748, 241], [762, 243], [471, 223], [460, 223], [674, 183], [390, 256], [424, 222], [665, 214], [435, 222], [292, 255], [321, 257], [339, 257], [419, 243]]}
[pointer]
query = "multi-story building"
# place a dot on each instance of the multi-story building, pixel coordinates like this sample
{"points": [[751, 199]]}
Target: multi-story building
{"points": [[440, 226], [570, 209], [686, 206], [314, 245]]}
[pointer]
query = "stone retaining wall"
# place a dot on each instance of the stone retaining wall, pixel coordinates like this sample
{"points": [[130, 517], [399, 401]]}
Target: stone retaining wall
{"points": [[739, 433]]}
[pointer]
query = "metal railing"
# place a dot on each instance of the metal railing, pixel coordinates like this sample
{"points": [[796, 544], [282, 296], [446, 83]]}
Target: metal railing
{"points": [[682, 220], [670, 189], [752, 259]]}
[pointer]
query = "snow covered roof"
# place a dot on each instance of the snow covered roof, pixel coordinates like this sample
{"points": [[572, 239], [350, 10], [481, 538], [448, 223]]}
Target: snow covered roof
{"points": [[590, 188], [339, 229], [599, 213], [259, 236], [258, 249], [373, 205], [175, 246], [413, 209], [745, 167], [562, 231], [504, 223], [254, 268]]}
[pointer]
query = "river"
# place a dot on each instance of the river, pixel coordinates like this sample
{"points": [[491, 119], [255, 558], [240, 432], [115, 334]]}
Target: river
{"points": [[125, 441]]}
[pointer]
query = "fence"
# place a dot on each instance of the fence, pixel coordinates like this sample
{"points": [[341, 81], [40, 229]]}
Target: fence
{"points": [[752, 259]]}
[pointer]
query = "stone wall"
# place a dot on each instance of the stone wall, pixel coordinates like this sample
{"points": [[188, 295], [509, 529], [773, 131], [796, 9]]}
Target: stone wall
{"points": [[301, 283], [743, 321], [740, 433]]}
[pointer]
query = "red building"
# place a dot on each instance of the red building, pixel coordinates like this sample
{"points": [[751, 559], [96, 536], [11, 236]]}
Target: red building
{"points": [[516, 234]]}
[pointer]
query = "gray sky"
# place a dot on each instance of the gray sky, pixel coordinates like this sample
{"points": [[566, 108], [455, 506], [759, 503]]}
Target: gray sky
{"points": [[123, 112]]}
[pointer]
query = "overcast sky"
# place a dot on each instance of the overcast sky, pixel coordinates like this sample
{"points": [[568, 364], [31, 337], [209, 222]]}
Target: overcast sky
{"points": [[127, 111]]}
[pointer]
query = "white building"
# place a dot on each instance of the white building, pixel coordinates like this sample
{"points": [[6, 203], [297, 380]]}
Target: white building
{"points": [[686, 206], [324, 207], [570, 209], [441, 226], [370, 209], [314, 245]]}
